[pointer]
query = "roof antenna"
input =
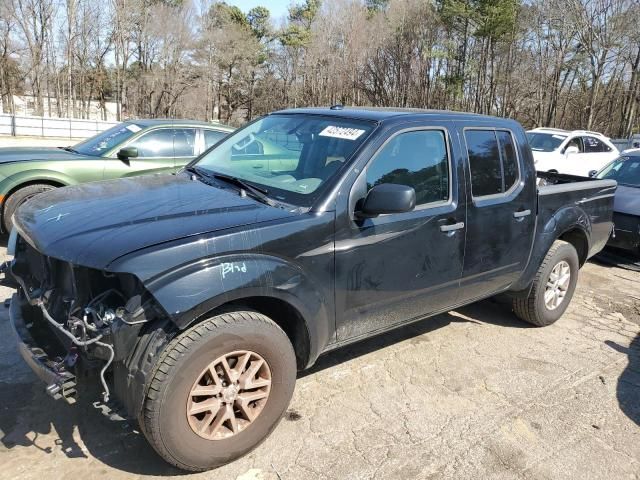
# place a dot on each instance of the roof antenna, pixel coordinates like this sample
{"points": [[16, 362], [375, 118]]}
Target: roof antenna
{"points": [[337, 106]]}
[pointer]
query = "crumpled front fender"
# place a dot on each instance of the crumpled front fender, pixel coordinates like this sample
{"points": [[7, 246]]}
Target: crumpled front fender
{"points": [[193, 290]]}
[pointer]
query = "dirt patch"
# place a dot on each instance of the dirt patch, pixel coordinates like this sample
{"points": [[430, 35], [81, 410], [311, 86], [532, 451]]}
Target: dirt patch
{"points": [[292, 416], [630, 312]]}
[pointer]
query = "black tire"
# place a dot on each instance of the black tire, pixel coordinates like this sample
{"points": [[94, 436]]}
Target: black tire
{"points": [[164, 416], [17, 198], [532, 307]]}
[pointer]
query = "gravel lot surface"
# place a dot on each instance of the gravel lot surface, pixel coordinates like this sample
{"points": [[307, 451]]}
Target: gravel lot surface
{"points": [[471, 394]]}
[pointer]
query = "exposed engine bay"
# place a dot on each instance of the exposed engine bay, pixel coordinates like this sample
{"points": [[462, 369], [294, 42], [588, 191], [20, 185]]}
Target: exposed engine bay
{"points": [[96, 318]]}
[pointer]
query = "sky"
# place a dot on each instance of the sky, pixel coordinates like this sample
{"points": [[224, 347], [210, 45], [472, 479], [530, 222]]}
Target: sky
{"points": [[278, 8]]}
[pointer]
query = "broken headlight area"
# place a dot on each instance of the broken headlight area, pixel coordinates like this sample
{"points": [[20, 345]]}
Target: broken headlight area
{"points": [[79, 318]]}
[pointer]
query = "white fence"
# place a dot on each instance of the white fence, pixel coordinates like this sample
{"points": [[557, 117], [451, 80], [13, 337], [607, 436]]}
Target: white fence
{"points": [[17, 125]]}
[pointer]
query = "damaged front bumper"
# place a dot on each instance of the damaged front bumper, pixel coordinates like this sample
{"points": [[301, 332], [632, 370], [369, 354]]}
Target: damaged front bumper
{"points": [[61, 383], [58, 362], [626, 233], [73, 321]]}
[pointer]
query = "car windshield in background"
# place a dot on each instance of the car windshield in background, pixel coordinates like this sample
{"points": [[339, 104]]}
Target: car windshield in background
{"points": [[290, 156], [625, 170], [107, 140], [545, 142]]}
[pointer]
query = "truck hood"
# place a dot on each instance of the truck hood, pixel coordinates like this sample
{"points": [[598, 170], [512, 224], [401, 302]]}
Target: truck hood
{"points": [[627, 200], [95, 223], [25, 154]]}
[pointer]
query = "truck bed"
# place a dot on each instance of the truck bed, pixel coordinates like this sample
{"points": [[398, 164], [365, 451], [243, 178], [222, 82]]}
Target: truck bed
{"points": [[552, 178], [594, 198]]}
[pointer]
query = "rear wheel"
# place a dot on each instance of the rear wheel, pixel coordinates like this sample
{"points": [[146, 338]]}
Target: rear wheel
{"points": [[552, 287], [218, 390], [17, 198]]}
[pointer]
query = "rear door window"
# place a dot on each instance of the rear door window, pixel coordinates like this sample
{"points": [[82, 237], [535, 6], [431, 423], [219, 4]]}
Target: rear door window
{"points": [[593, 145], [484, 161], [184, 141], [509, 158], [211, 137], [493, 161]]}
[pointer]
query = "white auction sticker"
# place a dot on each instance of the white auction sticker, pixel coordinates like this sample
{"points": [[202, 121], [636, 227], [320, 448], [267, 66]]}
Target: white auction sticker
{"points": [[559, 137], [341, 132], [133, 128]]}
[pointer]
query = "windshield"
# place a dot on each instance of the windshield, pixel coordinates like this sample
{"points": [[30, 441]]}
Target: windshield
{"points": [[290, 156], [105, 141], [545, 142], [625, 170]]}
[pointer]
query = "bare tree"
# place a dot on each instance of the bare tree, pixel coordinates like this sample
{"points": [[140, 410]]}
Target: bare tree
{"points": [[562, 63], [34, 18]]}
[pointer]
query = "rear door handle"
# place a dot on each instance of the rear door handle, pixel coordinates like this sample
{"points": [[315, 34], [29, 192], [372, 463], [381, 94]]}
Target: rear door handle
{"points": [[522, 213], [452, 227]]}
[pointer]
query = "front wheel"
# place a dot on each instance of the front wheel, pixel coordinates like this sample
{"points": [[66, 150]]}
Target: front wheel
{"points": [[218, 390], [552, 287], [19, 197]]}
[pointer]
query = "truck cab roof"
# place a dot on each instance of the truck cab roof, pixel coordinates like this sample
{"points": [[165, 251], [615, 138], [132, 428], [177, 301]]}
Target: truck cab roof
{"points": [[386, 114]]}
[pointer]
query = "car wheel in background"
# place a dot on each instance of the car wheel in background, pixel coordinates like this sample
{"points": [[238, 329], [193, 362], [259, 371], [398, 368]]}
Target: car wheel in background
{"points": [[17, 198]]}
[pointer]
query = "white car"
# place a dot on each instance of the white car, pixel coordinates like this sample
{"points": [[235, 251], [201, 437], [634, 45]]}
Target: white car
{"points": [[577, 152]]}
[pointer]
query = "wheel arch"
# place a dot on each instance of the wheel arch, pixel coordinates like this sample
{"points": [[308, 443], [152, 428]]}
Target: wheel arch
{"points": [[578, 238], [282, 312], [570, 224], [300, 303], [37, 181], [30, 177], [132, 376], [305, 328], [20, 183]]}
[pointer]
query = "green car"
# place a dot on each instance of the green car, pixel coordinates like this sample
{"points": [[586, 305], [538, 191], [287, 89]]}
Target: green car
{"points": [[272, 153], [134, 147]]}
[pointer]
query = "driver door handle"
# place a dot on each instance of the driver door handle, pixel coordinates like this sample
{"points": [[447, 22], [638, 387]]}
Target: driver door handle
{"points": [[521, 213], [452, 227]]}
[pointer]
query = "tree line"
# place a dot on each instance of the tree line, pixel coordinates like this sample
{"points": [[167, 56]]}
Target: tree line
{"points": [[556, 63]]}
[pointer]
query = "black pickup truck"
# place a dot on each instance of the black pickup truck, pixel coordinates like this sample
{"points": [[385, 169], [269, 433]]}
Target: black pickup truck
{"points": [[195, 298]]}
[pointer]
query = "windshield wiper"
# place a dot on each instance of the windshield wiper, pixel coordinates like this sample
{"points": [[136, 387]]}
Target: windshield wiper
{"points": [[196, 170], [239, 182], [68, 149], [257, 193]]}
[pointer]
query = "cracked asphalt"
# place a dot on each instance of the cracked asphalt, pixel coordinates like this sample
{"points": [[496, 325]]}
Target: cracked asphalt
{"points": [[470, 394]]}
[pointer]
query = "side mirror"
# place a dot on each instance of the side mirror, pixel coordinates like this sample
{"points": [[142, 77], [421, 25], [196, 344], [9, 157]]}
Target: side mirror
{"points": [[571, 150], [387, 198], [127, 153], [592, 173]]}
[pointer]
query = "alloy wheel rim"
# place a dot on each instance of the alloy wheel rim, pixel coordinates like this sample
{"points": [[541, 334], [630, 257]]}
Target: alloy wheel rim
{"points": [[557, 285], [228, 395]]}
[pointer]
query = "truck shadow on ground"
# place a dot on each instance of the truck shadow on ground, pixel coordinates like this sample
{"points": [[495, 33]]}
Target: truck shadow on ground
{"points": [[494, 311], [612, 257], [30, 418], [628, 388]]}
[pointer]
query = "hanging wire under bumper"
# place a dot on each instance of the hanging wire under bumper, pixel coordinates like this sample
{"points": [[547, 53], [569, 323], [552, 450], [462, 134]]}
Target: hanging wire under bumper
{"points": [[61, 384]]}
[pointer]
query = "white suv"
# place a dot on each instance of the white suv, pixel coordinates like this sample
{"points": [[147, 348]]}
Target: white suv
{"points": [[577, 153]]}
